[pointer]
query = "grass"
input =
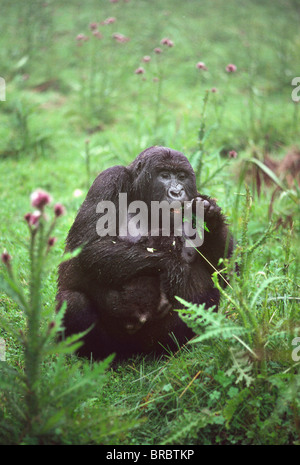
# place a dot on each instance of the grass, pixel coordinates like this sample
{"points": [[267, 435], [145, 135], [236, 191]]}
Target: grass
{"points": [[73, 110]]}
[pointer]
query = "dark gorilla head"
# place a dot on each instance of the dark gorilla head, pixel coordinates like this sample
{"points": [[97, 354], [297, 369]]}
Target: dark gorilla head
{"points": [[160, 173]]}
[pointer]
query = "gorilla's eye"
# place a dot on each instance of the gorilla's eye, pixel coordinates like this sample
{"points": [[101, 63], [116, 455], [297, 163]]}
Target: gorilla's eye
{"points": [[181, 176], [165, 174]]}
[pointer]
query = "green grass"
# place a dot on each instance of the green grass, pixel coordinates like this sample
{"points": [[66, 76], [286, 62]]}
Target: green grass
{"points": [[58, 96]]}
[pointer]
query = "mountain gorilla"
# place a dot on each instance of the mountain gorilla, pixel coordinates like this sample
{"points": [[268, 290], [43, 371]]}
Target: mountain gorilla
{"points": [[125, 286]]}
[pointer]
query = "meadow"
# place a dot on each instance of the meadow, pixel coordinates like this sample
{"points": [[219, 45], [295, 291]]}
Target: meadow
{"points": [[89, 85]]}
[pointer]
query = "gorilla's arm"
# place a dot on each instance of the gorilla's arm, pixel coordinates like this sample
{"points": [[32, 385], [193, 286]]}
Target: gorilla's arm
{"points": [[217, 240], [111, 260], [105, 259]]}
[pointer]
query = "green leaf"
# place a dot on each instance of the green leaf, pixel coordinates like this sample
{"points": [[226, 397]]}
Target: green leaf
{"points": [[89, 376], [232, 405], [262, 287], [67, 346], [226, 331]]}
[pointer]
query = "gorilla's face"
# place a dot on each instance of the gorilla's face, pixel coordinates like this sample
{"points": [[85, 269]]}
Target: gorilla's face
{"points": [[171, 185]]}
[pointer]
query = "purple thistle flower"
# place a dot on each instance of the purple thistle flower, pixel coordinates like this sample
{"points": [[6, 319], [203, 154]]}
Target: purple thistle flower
{"points": [[120, 38], [201, 65], [51, 241], [59, 209], [232, 154], [93, 26], [140, 70], [157, 50], [6, 258], [231, 68], [27, 217], [110, 20], [33, 218], [40, 198], [82, 38], [167, 41], [97, 34]]}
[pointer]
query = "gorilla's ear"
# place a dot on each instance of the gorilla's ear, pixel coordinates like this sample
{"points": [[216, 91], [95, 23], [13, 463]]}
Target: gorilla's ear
{"points": [[138, 168]]}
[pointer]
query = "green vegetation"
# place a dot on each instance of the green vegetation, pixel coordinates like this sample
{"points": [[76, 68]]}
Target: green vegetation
{"points": [[75, 107]]}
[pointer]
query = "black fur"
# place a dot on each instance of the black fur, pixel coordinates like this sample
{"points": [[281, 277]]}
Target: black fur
{"points": [[126, 288]]}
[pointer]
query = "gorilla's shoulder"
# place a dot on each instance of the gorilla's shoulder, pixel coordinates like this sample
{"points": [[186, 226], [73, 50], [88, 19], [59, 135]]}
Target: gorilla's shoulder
{"points": [[110, 182]]}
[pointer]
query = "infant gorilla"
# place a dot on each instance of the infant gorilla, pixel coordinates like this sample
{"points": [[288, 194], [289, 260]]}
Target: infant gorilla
{"points": [[147, 297]]}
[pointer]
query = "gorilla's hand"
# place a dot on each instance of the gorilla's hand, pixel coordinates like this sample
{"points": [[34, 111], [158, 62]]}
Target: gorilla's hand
{"points": [[212, 211], [164, 306]]}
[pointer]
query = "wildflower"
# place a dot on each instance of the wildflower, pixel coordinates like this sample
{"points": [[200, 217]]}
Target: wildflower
{"points": [[93, 26], [51, 241], [214, 90], [27, 217], [81, 38], [6, 258], [231, 68], [146, 59], [232, 154], [40, 198], [120, 38], [157, 50], [110, 20], [166, 41], [155, 79], [32, 218], [140, 70], [97, 34], [201, 65], [59, 209]]}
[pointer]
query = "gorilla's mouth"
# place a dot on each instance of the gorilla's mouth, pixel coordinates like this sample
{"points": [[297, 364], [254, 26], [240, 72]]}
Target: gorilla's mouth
{"points": [[131, 330]]}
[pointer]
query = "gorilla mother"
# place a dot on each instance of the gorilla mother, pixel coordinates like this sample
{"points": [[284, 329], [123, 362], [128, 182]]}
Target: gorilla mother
{"points": [[124, 287]]}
